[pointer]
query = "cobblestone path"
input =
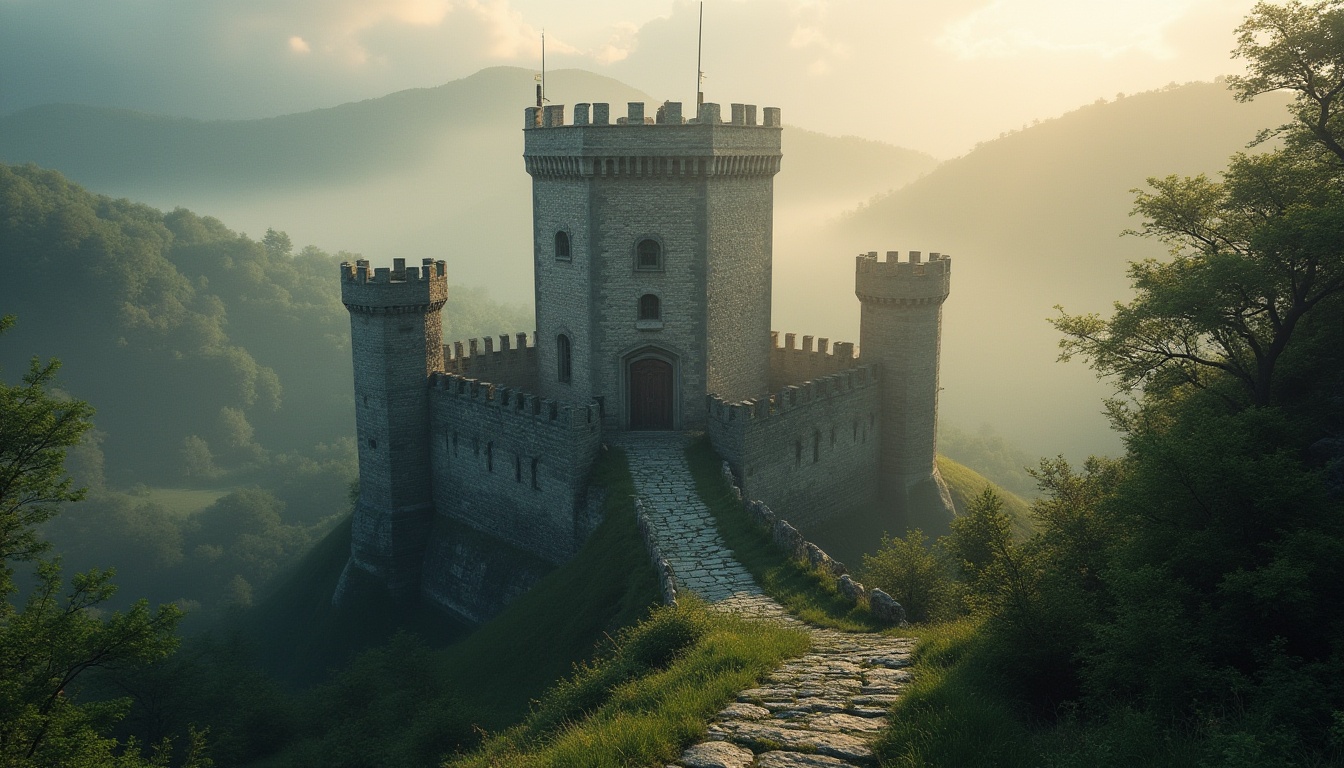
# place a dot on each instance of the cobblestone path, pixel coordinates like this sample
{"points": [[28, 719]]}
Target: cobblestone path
{"points": [[820, 710]]}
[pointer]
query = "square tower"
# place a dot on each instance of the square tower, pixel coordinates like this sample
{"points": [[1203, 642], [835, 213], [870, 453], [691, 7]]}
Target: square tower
{"points": [[652, 243]]}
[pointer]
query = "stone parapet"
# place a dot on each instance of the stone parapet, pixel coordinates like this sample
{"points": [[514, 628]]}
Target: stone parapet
{"points": [[396, 290], [513, 363], [639, 146], [794, 363], [893, 281]]}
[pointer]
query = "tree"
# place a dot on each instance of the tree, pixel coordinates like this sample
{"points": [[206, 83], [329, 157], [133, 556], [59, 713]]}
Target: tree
{"points": [[1297, 47], [1254, 255], [277, 243], [58, 635]]}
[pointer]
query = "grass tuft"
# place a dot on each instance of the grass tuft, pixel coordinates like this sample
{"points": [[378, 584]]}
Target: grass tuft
{"points": [[651, 694]]}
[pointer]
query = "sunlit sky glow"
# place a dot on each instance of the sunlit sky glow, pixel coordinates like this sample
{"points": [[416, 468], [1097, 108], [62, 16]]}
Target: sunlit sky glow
{"points": [[932, 76]]}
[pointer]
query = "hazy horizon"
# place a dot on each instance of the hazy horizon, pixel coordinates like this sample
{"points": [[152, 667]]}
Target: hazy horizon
{"points": [[937, 80]]}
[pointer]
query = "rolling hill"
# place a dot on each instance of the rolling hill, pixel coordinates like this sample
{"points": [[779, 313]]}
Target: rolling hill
{"points": [[1033, 219]]}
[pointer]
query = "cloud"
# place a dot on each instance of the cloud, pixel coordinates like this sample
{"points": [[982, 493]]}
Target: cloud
{"points": [[299, 45], [1007, 28]]}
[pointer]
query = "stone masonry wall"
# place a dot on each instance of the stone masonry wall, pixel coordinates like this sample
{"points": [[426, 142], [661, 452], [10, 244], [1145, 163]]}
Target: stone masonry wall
{"points": [[563, 288], [740, 217], [900, 329], [793, 364], [626, 210], [808, 451], [512, 364], [513, 465]]}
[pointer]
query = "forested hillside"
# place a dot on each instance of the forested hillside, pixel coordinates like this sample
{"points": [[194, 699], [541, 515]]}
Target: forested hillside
{"points": [[219, 368]]}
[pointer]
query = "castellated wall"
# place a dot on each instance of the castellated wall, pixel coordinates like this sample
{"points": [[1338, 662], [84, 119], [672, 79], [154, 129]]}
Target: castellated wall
{"points": [[791, 363], [512, 364], [809, 451], [513, 465]]}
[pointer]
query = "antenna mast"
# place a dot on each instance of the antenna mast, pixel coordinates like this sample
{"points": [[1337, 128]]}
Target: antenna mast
{"points": [[541, 89], [699, 50]]}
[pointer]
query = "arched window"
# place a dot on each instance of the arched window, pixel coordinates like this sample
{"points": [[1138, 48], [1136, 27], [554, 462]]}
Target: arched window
{"points": [[563, 361], [648, 254], [650, 308], [562, 246]]}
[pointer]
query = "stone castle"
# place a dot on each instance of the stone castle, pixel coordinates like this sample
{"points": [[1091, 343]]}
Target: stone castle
{"points": [[652, 240]]}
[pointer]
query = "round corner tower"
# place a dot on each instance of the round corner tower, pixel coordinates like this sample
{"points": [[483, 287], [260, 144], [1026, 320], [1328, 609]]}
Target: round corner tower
{"points": [[396, 340], [900, 328], [652, 241]]}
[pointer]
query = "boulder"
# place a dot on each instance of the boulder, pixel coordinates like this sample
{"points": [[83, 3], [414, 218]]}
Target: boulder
{"points": [[885, 608], [850, 589]]}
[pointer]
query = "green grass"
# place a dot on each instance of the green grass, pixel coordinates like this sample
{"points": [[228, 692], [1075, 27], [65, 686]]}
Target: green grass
{"points": [[965, 484], [807, 594], [959, 712], [954, 714], [850, 536], [648, 697], [182, 501]]}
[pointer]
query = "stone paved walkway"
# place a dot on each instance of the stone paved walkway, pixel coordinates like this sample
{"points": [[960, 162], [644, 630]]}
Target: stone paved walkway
{"points": [[820, 710]]}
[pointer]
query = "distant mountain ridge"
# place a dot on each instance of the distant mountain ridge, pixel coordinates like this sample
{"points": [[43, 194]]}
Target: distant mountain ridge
{"points": [[422, 172]]}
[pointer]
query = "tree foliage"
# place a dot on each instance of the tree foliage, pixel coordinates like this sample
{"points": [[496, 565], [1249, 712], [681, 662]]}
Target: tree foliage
{"points": [[58, 634], [1199, 578], [1297, 47]]}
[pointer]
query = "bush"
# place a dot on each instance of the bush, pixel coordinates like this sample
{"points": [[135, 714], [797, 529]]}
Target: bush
{"points": [[911, 572]]}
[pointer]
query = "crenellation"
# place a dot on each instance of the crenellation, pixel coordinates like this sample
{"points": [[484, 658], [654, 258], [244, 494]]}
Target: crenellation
{"points": [[581, 112], [553, 116], [817, 357]]}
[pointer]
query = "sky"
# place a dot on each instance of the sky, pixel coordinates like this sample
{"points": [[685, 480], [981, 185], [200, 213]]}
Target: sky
{"points": [[934, 76]]}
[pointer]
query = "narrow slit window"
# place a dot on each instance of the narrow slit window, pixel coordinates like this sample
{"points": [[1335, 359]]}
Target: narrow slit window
{"points": [[562, 246], [490, 457], [534, 474], [564, 367], [518, 469]]}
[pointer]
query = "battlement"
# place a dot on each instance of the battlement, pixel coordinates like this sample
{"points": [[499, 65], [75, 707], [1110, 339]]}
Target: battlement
{"points": [[513, 363], [913, 282], [668, 113], [396, 290], [792, 397], [636, 145], [516, 402], [792, 363]]}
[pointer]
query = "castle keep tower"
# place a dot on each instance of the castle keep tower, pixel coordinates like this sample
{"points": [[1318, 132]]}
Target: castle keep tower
{"points": [[652, 247], [900, 328], [397, 340]]}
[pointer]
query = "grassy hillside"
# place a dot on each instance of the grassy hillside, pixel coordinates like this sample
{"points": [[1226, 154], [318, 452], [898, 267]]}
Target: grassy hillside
{"points": [[1033, 219], [850, 537], [422, 172]]}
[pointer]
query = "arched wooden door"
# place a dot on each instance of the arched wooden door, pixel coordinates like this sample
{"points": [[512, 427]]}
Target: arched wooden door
{"points": [[651, 394]]}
